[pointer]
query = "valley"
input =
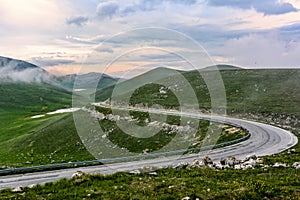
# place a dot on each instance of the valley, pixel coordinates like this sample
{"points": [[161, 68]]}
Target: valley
{"points": [[31, 137]]}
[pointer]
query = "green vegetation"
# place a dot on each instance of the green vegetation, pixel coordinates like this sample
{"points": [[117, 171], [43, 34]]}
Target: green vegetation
{"points": [[86, 81], [203, 183], [164, 134], [55, 143], [54, 139], [247, 90], [18, 102], [267, 95], [32, 98], [149, 95]]}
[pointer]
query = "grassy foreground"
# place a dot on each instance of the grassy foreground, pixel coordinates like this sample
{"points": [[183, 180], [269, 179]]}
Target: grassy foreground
{"points": [[203, 183]]}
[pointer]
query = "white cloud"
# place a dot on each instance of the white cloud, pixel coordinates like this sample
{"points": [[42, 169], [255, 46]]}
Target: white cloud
{"points": [[268, 7], [78, 21], [262, 51], [32, 28], [107, 9]]}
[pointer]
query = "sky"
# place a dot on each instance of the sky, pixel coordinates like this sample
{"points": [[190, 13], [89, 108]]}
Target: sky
{"points": [[123, 37]]}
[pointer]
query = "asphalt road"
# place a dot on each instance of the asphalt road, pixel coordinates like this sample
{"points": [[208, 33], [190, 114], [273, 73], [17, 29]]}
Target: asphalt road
{"points": [[264, 140]]}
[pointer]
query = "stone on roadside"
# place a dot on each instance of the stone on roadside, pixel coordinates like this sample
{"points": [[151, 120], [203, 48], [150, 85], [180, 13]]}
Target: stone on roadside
{"points": [[207, 160], [296, 165], [153, 174], [135, 172], [278, 165], [197, 163], [181, 165], [77, 174], [18, 189]]}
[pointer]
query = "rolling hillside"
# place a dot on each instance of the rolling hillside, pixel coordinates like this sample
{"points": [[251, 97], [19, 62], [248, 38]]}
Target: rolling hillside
{"points": [[25, 90], [247, 90], [55, 139], [86, 81]]}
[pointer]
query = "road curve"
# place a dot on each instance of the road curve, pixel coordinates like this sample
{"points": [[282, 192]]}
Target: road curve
{"points": [[264, 140]]}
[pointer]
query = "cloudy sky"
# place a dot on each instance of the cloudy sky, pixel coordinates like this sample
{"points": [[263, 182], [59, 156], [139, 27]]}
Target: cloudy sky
{"points": [[70, 36]]}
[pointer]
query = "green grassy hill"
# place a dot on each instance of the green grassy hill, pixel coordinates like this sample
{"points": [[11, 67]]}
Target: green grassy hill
{"points": [[127, 85], [264, 90], [32, 97], [19, 101], [54, 141], [86, 81], [247, 90]]}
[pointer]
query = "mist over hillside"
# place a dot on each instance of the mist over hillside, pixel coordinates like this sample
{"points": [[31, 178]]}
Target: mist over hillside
{"points": [[12, 70], [15, 71]]}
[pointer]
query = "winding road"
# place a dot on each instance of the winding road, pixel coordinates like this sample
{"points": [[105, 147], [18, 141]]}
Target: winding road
{"points": [[264, 140]]}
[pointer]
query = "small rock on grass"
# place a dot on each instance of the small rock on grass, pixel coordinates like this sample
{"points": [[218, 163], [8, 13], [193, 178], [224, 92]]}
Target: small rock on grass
{"points": [[296, 165], [18, 189], [135, 172], [78, 174]]}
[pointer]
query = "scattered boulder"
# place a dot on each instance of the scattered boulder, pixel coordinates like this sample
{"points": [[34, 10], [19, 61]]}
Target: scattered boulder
{"points": [[31, 186], [207, 160], [238, 166], [223, 161], [77, 174], [247, 167], [252, 156], [146, 151], [232, 161], [296, 165], [190, 198], [251, 162], [197, 163], [153, 174], [18, 189], [291, 151], [186, 198], [181, 165], [279, 165], [135, 172], [219, 166]]}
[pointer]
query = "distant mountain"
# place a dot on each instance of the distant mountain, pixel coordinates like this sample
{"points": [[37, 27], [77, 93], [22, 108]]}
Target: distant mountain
{"points": [[222, 67], [247, 90], [15, 64], [86, 81], [129, 85], [12, 70]]}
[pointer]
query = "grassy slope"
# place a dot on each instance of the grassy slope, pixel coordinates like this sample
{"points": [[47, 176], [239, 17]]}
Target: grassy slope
{"points": [[56, 142], [275, 90], [172, 184], [86, 81], [247, 91], [20, 100], [162, 137], [259, 90]]}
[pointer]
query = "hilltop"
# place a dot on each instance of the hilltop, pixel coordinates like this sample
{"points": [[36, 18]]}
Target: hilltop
{"points": [[247, 90], [222, 67], [86, 81], [12, 70]]}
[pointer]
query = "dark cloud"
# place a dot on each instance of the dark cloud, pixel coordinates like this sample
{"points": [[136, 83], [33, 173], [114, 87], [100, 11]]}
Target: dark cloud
{"points": [[42, 62], [290, 33], [268, 7], [107, 9], [20, 71], [104, 49], [291, 28], [78, 21]]}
